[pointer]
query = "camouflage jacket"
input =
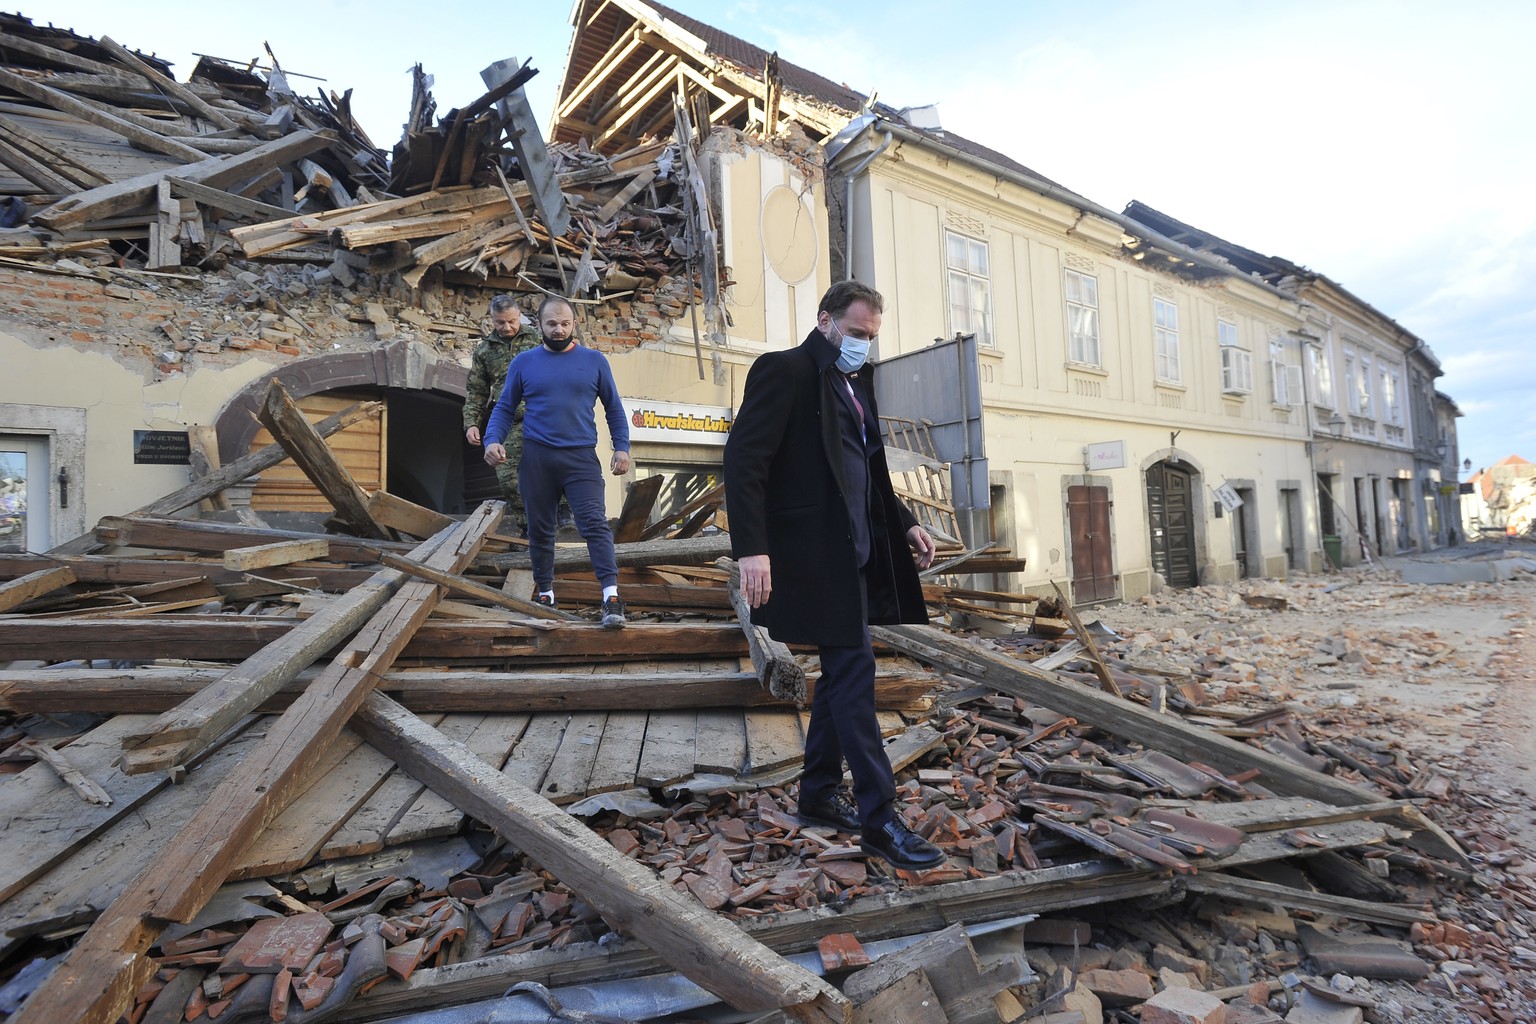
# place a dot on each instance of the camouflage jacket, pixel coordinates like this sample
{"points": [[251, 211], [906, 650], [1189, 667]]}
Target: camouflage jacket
{"points": [[488, 373]]}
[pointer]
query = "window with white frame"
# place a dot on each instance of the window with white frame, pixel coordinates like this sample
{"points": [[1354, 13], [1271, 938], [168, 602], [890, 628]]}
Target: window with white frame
{"points": [[1320, 365], [1165, 330], [1082, 291], [1357, 375], [969, 275], [1280, 374], [1236, 362], [1391, 400]]}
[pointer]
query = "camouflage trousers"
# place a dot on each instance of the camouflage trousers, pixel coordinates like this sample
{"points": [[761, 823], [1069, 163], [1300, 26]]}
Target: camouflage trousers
{"points": [[506, 475]]}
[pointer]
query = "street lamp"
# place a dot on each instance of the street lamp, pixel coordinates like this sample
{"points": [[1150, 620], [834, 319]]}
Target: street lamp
{"points": [[1335, 425]]}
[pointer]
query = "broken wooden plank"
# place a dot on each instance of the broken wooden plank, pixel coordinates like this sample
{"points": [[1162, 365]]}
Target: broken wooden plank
{"points": [[97, 980], [252, 463], [636, 513], [282, 552], [406, 516], [618, 755], [1248, 890], [1085, 638], [529, 760], [35, 584], [310, 453], [704, 947], [218, 199], [74, 875], [720, 742], [774, 740], [466, 586], [776, 666], [84, 786], [669, 752], [488, 737], [574, 760]]}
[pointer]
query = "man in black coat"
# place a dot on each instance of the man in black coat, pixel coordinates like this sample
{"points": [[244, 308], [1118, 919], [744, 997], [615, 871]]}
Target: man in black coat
{"points": [[825, 549]]}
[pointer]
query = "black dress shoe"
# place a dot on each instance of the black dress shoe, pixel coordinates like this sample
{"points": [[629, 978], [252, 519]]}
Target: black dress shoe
{"points": [[900, 847], [837, 811]]}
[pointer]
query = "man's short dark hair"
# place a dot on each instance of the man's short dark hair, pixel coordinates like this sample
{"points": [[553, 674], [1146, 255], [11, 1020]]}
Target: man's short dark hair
{"points": [[553, 300], [845, 293], [502, 303]]}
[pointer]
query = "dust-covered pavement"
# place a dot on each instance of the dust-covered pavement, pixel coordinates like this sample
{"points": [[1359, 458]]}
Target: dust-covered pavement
{"points": [[1444, 672]]}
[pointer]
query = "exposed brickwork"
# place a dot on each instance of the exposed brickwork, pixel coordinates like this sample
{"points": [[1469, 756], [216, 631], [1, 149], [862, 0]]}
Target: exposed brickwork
{"points": [[163, 326]]}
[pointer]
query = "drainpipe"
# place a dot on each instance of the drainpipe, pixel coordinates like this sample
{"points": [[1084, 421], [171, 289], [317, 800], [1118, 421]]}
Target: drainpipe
{"points": [[848, 204]]}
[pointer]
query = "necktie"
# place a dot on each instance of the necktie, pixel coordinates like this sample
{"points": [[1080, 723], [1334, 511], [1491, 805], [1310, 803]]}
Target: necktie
{"points": [[857, 405]]}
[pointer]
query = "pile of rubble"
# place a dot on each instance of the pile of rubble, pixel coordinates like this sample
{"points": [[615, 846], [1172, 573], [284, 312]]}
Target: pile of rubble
{"points": [[478, 793]]}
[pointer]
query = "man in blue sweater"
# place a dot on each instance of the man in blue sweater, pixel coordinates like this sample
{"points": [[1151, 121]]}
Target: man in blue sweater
{"points": [[559, 383]]}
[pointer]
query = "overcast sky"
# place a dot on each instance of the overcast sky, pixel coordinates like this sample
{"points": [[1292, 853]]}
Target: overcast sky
{"points": [[1388, 145]]}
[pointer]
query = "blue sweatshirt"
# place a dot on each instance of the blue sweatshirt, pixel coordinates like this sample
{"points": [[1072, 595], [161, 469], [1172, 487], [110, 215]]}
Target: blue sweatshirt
{"points": [[559, 391]]}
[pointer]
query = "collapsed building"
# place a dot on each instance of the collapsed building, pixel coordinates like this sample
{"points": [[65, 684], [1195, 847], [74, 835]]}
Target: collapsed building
{"points": [[308, 753]]}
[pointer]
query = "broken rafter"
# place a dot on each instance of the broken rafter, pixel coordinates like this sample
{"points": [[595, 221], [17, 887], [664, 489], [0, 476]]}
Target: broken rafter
{"points": [[310, 453]]}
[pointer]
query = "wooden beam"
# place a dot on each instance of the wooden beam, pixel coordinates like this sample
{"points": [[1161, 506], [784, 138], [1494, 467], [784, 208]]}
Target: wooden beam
{"points": [[283, 552], [206, 535], [169, 85], [240, 636], [107, 569], [776, 667], [1118, 717], [694, 551], [406, 516], [1247, 890], [707, 949], [97, 980], [466, 586], [252, 463], [310, 453], [619, 52], [11, 41], [89, 112], [154, 690], [35, 584], [217, 171], [218, 199]]}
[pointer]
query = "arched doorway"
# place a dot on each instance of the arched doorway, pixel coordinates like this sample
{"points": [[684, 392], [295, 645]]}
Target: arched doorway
{"points": [[1171, 514], [423, 453]]}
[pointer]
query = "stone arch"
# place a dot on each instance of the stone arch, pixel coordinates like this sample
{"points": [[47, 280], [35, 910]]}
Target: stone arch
{"points": [[405, 365], [429, 462]]}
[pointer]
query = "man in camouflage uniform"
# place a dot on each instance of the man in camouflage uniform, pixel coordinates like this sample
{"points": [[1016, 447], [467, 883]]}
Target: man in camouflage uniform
{"points": [[510, 334]]}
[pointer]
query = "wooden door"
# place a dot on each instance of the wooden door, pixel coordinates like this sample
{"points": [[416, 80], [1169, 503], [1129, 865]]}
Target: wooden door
{"points": [[1088, 527], [1170, 507], [361, 449], [1240, 539]]}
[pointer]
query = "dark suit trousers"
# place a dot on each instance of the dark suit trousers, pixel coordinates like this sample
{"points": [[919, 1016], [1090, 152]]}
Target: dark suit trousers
{"points": [[843, 725]]}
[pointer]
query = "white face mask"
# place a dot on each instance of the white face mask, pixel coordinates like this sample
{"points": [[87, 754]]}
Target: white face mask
{"points": [[852, 351]]}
